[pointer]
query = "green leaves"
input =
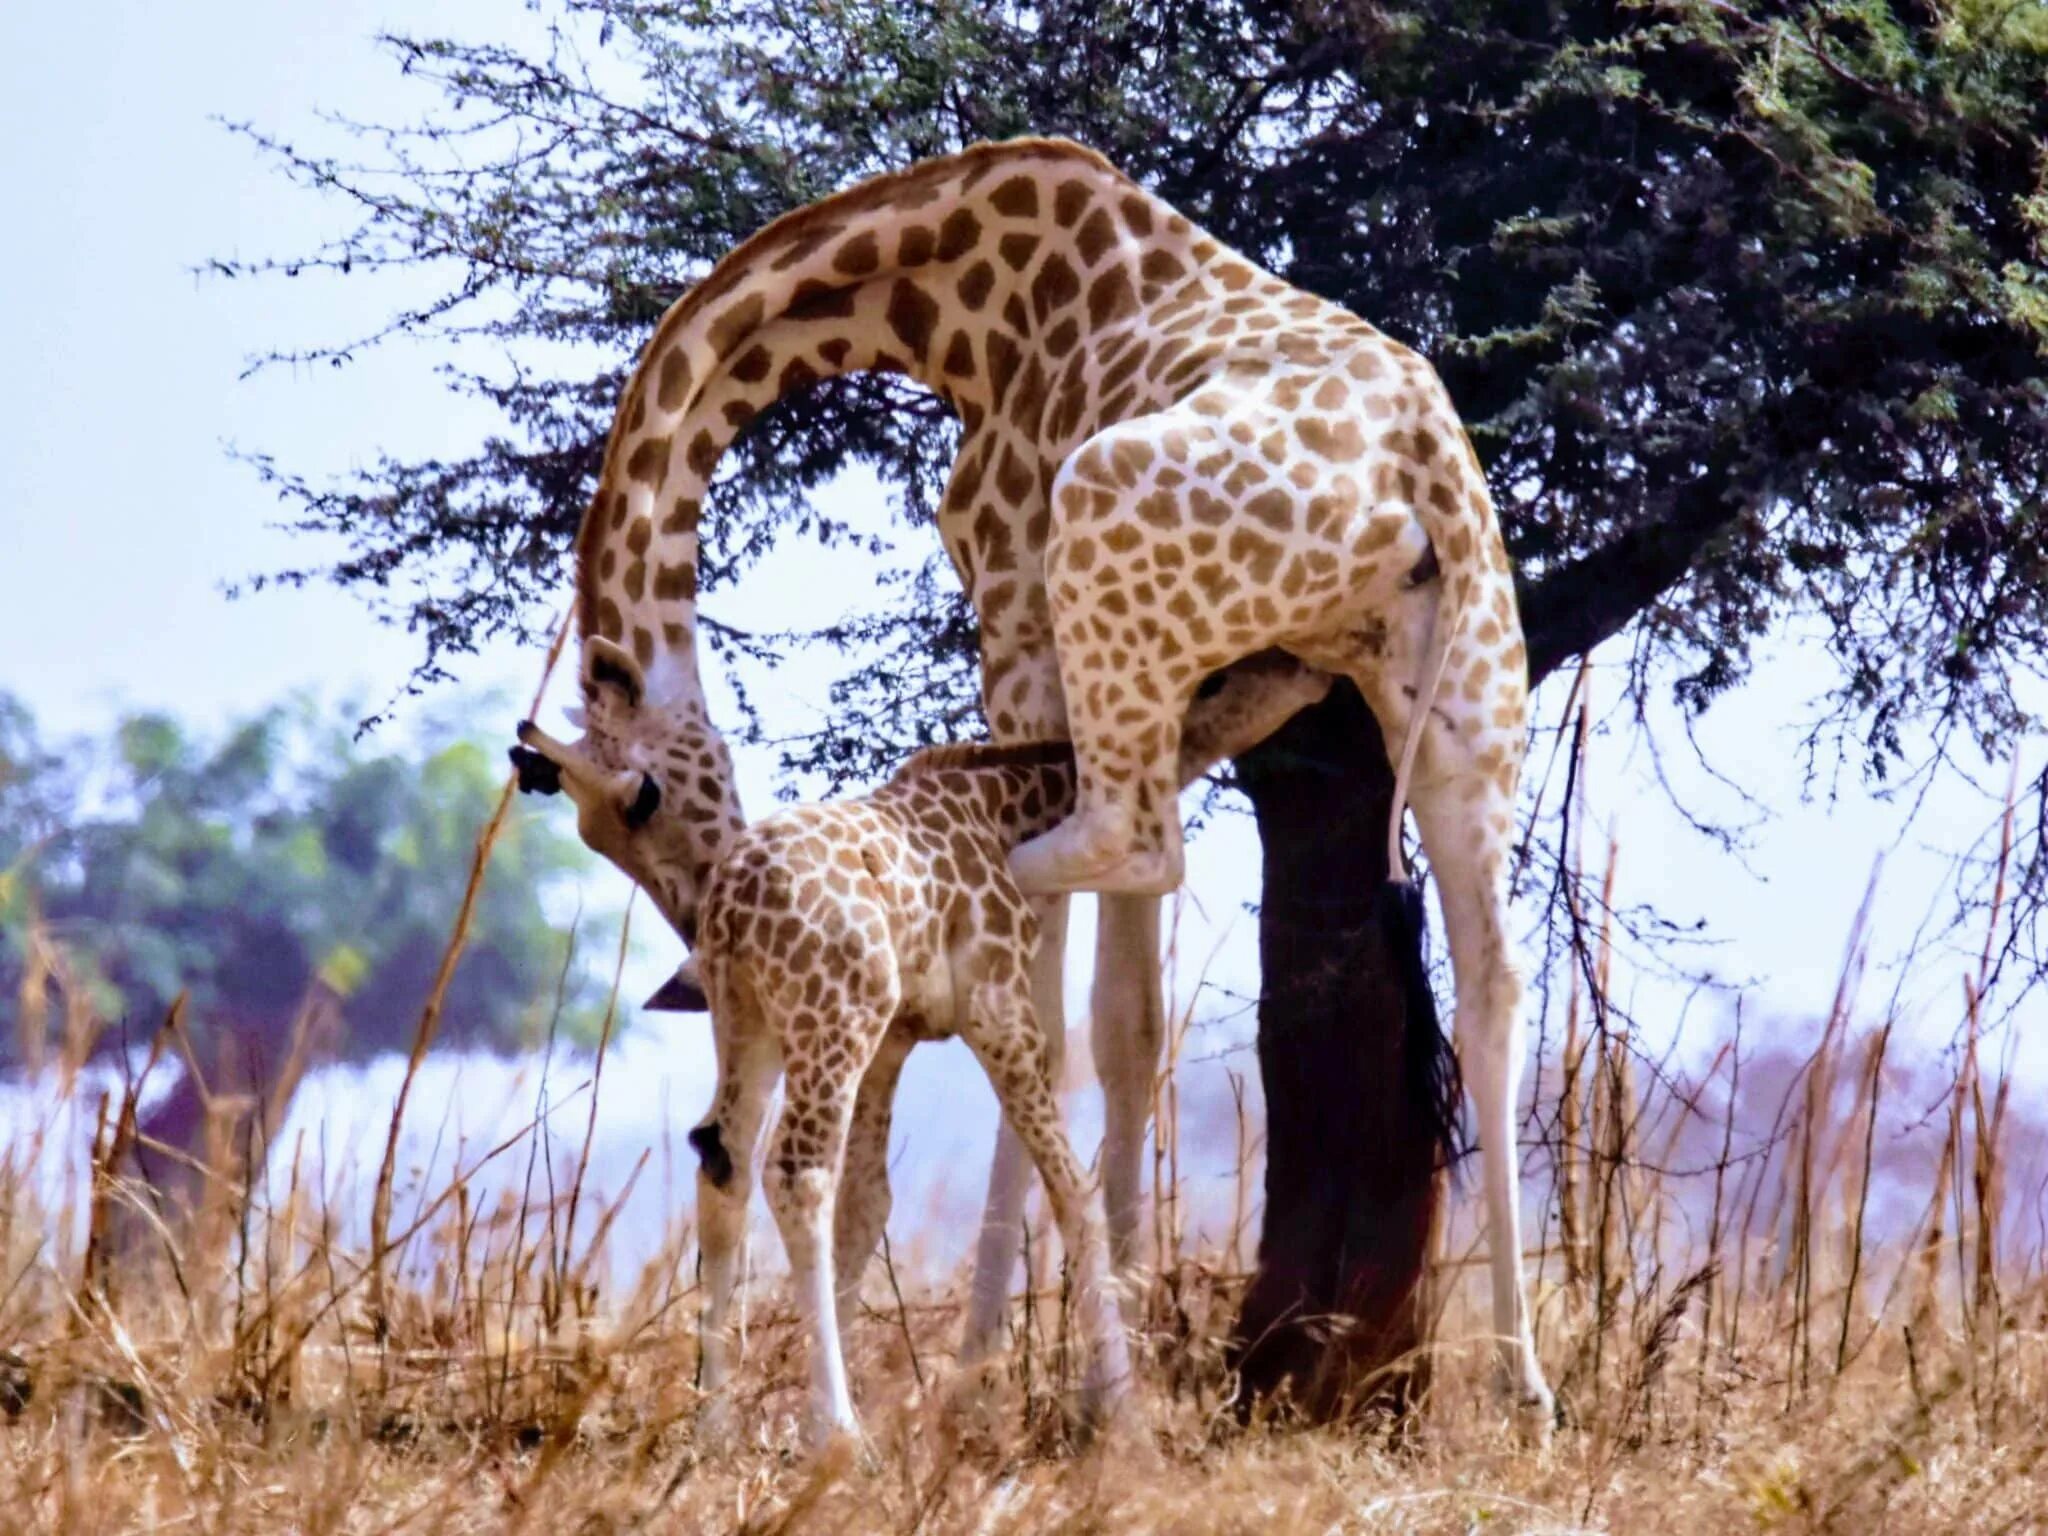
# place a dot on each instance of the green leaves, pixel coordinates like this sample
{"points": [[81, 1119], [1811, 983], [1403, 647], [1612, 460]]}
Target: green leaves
{"points": [[244, 868], [1715, 282]]}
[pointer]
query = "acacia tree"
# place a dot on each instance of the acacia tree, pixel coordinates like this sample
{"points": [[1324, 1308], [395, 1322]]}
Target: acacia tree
{"points": [[1746, 302]]}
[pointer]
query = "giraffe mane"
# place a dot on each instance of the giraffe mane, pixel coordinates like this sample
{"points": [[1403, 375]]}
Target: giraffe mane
{"points": [[967, 756], [737, 265]]}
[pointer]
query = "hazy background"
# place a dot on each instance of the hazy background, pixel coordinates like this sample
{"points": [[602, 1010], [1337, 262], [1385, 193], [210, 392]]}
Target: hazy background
{"points": [[122, 520]]}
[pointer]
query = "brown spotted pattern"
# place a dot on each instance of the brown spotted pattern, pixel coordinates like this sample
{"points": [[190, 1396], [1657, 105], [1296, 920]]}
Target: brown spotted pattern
{"points": [[1168, 459], [833, 937]]}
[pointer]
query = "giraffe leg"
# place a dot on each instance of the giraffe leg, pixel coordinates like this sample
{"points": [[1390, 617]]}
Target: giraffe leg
{"points": [[725, 1143], [1128, 1019], [864, 1199], [1466, 823], [802, 1183], [1124, 835], [1174, 550], [1125, 697], [1009, 1179], [1001, 1032]]}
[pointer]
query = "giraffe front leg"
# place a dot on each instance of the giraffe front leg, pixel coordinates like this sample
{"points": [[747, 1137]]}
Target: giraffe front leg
{"points": [[1132, 644], [725, 1144], [1089, 851], [802, 1183], [1128, 1018], [1124, 836]]}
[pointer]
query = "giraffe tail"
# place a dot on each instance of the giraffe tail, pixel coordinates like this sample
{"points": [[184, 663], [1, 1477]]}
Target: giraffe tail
{"points": [[1442, 632], [1460, 552], [1428, 1064], [1428, 1061]]}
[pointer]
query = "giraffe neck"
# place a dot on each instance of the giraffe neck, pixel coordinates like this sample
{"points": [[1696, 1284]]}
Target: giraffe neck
{"points": [[1025, 789], [1001, 278]]}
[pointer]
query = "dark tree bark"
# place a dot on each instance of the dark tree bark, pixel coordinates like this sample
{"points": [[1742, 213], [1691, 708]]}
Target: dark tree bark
{"points": [[1352, 1147], [1352, 1151]]}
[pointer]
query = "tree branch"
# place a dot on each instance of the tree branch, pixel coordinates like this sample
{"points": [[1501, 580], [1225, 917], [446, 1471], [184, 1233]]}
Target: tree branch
{"points": [[1574, 608]]}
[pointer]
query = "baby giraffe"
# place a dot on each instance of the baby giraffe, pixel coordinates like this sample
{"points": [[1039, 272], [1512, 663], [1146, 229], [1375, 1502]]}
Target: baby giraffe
{"points": [[832, 938]]}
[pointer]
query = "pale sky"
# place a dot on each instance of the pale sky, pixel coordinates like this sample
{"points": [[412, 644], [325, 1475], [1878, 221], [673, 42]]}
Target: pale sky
{"points": [[121, 517]]}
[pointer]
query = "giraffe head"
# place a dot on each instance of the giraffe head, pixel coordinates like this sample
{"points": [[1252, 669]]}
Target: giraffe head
{"points": [[651, 779]]}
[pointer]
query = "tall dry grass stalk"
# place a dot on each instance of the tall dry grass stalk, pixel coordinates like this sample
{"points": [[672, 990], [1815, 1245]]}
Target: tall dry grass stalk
{"points": [[430, 1015], [1571, 1108], [1730, 1350], [1986, 1127]]}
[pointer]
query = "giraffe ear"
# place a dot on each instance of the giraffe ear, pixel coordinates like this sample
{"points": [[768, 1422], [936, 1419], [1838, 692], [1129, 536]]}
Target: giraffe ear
{"points": [[607, 664], [681, 993]]}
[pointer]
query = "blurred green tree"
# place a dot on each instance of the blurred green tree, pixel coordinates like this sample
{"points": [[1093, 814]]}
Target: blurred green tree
{"points": [[277, 862]]}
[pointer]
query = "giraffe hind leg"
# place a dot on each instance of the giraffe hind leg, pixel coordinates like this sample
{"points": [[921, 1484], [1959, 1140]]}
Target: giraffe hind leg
{"points": [[1009, 1178], [802, 1182], [1000, 1030], [1466, 825]]}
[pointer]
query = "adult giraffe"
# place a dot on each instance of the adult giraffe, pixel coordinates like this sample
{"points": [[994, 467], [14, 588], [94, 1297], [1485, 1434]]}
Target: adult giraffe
{"points": [[1045, 297]]}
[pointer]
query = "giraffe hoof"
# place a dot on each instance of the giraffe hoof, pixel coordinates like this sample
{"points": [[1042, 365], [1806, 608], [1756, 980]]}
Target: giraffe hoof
{"points": [[837, 1449], [970, 1411], [1142, 874], [1534, 1423], [1073, 854], [1052, 870], [1102, 1408], [1120, 1435], [1534, 1410]]}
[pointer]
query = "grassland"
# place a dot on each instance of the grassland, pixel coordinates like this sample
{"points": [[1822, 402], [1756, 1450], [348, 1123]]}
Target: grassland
{"points": [[1798, 1288], [1736, 1349]]}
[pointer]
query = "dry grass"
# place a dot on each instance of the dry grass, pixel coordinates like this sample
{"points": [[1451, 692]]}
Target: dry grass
{"points": [[1744, 1330], [262, 1400], [1734, 1353]]}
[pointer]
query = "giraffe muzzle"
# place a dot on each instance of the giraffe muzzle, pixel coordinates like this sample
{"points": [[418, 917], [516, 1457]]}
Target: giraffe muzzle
{"points": [[538, 775]]}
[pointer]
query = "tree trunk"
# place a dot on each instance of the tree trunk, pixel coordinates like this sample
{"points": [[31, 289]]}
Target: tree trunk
{"points": [[1352, 1145], [229, 1103]]}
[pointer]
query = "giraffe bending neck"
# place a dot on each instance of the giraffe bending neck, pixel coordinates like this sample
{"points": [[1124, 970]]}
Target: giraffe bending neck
{"points": [[1045, 297], [1027, 284], [960, 273]]}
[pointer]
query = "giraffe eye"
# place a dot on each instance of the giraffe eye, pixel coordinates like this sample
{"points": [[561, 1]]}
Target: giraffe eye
{"points": [[1210, 686], [645, 804]]}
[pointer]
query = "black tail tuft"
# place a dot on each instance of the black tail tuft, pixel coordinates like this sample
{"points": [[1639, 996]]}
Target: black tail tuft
{"points": [[711, 1153], [1427, 1058]]}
